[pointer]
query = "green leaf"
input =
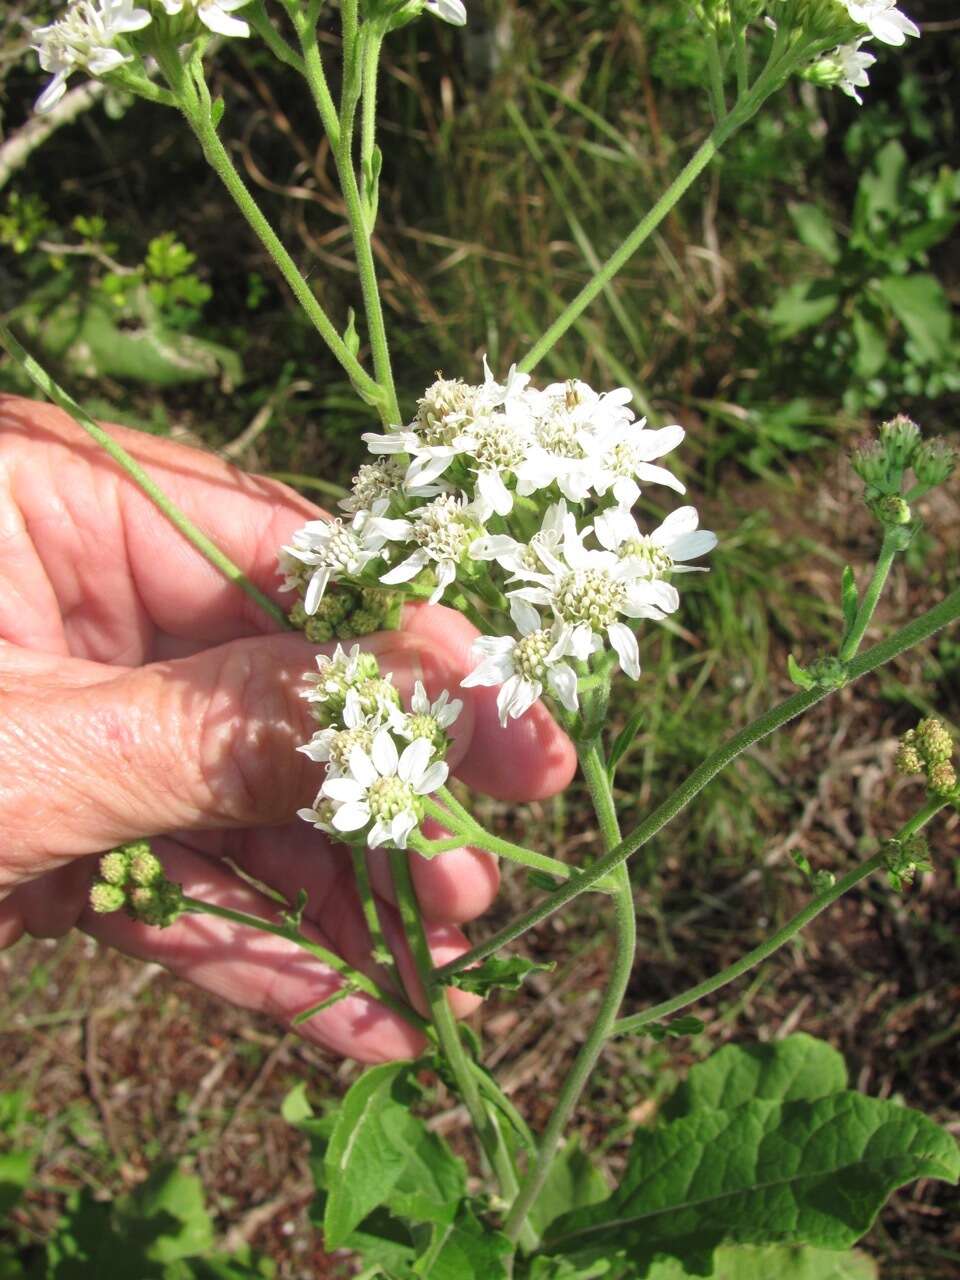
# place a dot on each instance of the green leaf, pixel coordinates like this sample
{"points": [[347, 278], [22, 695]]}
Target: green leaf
{"points": [[849, 598], [921, 306], [464, 1249], [797, 1068], [688, 1025], [925, 236], [506, 972], [380, 1153], [871, 344], [880, 191], [295, 1106], [799, 675], [802, 305], [815, 230], [624, 741], [382, 1240], [15, 1170], [776, 1262], [795, 1172], [165, 1216], [351, 339], [572, 1183]]}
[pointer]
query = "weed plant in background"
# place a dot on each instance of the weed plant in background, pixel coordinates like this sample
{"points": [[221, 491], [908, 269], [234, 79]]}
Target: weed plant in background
{"points": [[522, 503]]}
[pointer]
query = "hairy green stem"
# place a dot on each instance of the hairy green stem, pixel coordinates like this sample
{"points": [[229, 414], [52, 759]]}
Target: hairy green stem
{"points": [[368, 126], [378, 943], [625, 935], [780, 64], [445, 1025], [920, 629], [197, 906], [871, 597], [718, 101], [814, 907], [221, 163], [233, 573]]}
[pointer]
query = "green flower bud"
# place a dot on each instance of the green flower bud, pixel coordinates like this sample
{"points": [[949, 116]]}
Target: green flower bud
{"points": [[826, 20], [114, 867], [934, 462], [828, 673], [900, 438], [933, 741], [942, 778], [892, 510], [908, 760], [904, 858], [364, 622], [145, 868], [158, 905], [869, 461], [105, 898], [297, 617], [318, 630], [377, 694]]}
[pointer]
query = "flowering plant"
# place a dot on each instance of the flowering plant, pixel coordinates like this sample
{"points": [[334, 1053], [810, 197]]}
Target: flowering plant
{"points": [[516, 504]]}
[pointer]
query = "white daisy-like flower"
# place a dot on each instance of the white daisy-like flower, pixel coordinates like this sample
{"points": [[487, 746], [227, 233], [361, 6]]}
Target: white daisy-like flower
{"points": [[516, 556], [214, 14], [662, 552], [377, 483], [426, 719], [84, 39], [626, 455], [590, 591], [562, 448], [336, 676], [382, 790], [330, 550], [846, 67], [524, 666], [441, 531], [495, 447], [883, 19], [452, 11], [332, 745]]}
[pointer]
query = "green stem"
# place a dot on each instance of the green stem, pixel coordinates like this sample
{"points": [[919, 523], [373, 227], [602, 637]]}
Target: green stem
{"points": [[317, 80], [378, 943], [360, 980], [259, 19], [220, 161], [626, 1026], [368, 125], [445, 1025], [715, 65], [741, 60], [871, 597], [778, 67], [920, 629], [233, 573], [625, 934]]}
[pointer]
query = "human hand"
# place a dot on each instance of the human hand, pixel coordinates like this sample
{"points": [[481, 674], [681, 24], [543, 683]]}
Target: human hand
{"points": [[141, 694]]}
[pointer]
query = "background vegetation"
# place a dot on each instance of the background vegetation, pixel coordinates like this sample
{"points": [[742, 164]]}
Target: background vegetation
{"points": [[805, 289]]}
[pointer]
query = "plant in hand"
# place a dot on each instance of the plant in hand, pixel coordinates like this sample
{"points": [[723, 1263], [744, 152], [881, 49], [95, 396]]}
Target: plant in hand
{"points": [[515, 504]]}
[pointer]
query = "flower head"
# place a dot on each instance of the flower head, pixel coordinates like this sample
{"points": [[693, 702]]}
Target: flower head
{"points": [[441, 533], [85, 38], [426, 719], [883, 19], [523, 665], [325, 550], [452, 11], [380, 792], [214, 14]]}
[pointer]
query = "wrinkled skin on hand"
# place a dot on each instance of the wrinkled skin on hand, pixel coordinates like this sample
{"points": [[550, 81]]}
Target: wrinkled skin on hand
{"points": [[141, 694]]}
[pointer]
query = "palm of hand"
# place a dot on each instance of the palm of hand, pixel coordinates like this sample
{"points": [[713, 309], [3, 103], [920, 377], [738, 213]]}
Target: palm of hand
{"points": [[141, 693]]}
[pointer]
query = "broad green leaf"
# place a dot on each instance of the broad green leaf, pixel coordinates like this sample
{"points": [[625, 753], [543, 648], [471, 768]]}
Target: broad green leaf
{"points": [[776, 1262], [15, 1169], [572, 1183], [464, 1249], [382, 1240], [802, 305], [797, 1068], [815, 230], [925, 236], [165, 1217], [879, 193], [794, 1173], [380, 1153], [871, 350], [507, 972], [921, 306]]}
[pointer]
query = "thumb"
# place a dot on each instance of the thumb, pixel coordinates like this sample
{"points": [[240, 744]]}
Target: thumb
{"points": [[98, 755]]}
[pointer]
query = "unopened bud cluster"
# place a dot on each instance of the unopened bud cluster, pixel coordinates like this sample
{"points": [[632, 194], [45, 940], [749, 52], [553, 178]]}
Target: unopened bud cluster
{"points": [[883, 463], [928, 750], [131, 878], [347, 614]]}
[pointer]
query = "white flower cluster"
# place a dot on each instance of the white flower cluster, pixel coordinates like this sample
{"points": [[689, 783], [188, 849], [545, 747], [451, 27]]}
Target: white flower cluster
{"points": [[846, 66], [89, 36], [380, 760], [520, 498]]}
